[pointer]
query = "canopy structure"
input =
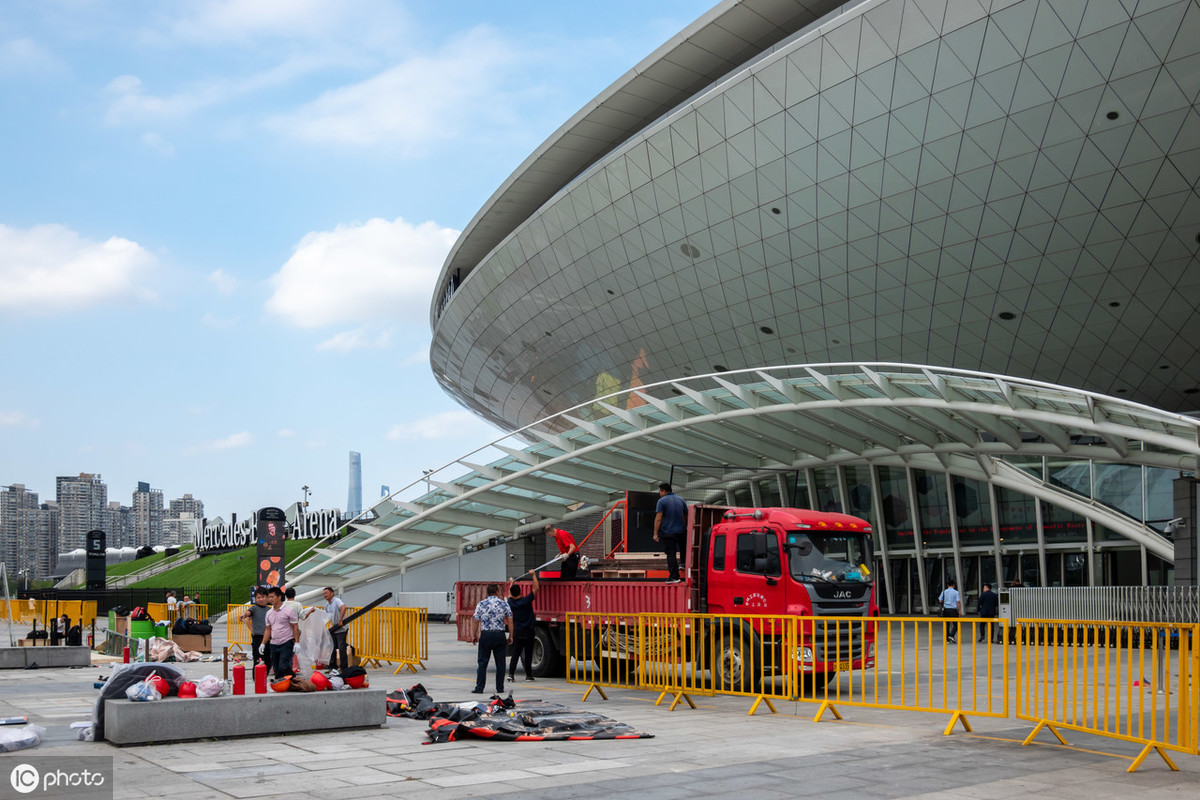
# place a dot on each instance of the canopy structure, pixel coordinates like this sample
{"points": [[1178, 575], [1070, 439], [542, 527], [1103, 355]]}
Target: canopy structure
{"points": [[802, 416]]}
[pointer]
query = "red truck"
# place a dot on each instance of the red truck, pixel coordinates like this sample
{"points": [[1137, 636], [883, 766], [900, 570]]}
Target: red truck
{"points": [[741, 562]]}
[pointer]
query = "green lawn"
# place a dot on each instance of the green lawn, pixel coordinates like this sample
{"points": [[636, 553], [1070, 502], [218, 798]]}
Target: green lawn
{"points": [[234, 568], [139, 564]]}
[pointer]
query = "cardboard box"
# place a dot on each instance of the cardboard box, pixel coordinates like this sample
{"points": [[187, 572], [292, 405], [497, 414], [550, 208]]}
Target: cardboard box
{"points": [[191, 641]]}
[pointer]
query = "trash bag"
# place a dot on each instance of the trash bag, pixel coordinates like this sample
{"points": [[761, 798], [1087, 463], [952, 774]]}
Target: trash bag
{"points": [[126, 675], [20, 739], [315, 647], [144, 691], [209, 686]]}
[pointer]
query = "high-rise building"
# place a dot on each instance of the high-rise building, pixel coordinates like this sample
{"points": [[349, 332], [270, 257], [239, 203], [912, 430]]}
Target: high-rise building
{"points": [[354, 496], [183, 521], [41, 537], [82, 503], [15, 501], [118, 524], [147, 515]]}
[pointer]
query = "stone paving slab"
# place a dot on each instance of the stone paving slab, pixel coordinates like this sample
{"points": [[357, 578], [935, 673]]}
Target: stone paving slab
{"points": [[716, 750]]}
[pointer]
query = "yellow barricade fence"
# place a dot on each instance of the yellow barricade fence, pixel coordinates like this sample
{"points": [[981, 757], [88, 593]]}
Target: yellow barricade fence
{"points": [[237, 632], [162, 612], [1129, 681], [44, 612], [911, 664], [396, 635], [602, 651]]}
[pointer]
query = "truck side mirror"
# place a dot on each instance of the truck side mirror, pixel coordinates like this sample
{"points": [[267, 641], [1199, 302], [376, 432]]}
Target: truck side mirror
{"points": [[803, 549]]}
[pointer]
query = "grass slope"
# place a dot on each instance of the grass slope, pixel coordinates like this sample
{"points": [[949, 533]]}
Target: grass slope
{"points": [[137, 565], [227, 570]]}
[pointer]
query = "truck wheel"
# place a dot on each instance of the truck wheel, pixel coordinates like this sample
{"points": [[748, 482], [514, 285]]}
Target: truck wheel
{"points": [[739, 662], [545, 662]]}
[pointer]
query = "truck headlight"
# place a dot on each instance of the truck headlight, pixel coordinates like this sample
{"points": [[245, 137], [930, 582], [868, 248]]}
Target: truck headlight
{"points": [[804, 655]]}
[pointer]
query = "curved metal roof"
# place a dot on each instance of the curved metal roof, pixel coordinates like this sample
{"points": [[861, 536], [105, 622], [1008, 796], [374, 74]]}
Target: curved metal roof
{"points": [[724, 38], [795, 416], [1010, 187]]}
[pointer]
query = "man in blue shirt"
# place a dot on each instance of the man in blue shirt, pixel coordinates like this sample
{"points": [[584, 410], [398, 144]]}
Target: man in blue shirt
{"points": [[493, 618], [670, 525], [951, 602], [523, 626]]}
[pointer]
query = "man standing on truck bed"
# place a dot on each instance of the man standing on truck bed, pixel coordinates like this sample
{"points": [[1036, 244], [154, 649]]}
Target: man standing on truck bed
{"points": [[670, 524], [567, 549]]}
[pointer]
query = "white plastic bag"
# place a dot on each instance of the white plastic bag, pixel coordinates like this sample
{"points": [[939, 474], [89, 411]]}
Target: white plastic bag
{"points": [[209, 686], [315, 646], [20, 738], [143, 691]]}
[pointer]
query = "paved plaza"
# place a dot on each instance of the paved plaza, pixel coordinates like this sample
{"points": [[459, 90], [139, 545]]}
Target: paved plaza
{"points": [[715, 750]]}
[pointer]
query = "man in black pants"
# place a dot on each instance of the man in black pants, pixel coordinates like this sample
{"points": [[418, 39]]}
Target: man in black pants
{"points": [[989, 607], [523, 619], [492, 618], [670, 528]]}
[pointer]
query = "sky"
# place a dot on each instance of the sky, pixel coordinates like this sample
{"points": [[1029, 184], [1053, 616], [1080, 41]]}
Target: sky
{"points": [[221, 222]]}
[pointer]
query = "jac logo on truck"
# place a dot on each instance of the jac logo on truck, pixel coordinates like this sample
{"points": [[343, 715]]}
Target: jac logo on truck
{"points": [[842, 594]]}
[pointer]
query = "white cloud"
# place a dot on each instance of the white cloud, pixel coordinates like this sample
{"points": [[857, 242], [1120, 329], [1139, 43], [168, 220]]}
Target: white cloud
{"points": [[443, 425], [26, 59], [211, 320], [16, 419], [50, 268], [357, 339], [225, 283], [420, 356], [157, 143], [423, 100], [238, 21], [236, 440], [377, 269], [285, 433]]}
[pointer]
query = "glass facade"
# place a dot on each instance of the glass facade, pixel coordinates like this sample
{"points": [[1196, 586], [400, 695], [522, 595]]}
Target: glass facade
{"points": [[1032, 532]]}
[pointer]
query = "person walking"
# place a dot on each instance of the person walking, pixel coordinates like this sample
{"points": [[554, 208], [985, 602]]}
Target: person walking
{"points": [[567, 549], [523, 626], [255, 618], [283, 629], [670, 526], [492, 631], [989, 609], [951, 603]]}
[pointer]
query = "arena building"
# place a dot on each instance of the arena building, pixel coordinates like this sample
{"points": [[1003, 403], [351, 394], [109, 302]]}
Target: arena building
{"points": [[937, 258]]}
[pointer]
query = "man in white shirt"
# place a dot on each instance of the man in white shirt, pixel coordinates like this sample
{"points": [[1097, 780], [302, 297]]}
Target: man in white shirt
{"points": [[951, 603]]}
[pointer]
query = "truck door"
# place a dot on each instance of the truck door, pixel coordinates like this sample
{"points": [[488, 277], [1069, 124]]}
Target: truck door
{"points": [[758, 587], [720, 583]]}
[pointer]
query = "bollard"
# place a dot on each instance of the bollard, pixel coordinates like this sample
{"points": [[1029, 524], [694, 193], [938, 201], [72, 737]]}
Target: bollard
{"points": [[225, 661], [260, 679], [239, 679]]}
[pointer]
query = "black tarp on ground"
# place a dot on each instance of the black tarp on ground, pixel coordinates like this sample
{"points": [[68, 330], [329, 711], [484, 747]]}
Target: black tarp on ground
{"points": [[504, 720]]}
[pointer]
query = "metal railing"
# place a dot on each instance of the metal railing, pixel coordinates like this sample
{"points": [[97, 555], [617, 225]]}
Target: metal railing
{"points": [[1107, 603]]}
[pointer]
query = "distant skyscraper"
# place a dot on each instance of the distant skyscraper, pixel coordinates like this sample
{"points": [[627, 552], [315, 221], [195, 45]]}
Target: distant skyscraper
{"points": [[118, 524], [354, 497], [41, 534], [82, 502], [183, 520], [147, 515], [15, 503]]}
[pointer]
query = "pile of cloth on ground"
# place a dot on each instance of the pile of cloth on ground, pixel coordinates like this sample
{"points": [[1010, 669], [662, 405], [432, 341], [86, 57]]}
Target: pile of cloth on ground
{"points": [[503, 719]]}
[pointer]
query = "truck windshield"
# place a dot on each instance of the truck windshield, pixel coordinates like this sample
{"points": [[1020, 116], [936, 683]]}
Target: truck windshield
{"points": [[827, 556]]}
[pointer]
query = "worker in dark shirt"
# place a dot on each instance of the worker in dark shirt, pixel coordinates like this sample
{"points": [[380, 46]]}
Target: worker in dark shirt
{"points": [[523, 620], [989, 607]]}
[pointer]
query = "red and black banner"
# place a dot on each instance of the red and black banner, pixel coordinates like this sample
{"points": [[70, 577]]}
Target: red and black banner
{"points": [[272, 535]]}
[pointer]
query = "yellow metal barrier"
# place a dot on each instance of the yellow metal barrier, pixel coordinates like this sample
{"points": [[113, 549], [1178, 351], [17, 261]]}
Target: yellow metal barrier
{"points": [[81, 612], [671, 655], [1134, 682], [162, 612], [602, 651], [908, 664], [396, 635], [237, 631], [753, 656]]}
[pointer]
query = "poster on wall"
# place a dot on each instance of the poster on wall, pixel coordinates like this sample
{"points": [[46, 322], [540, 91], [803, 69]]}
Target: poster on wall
{"points": [[272, 535]]}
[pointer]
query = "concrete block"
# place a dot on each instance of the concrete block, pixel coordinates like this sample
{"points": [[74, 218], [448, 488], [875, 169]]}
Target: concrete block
{"points": [[176, 720], [21, 657]]}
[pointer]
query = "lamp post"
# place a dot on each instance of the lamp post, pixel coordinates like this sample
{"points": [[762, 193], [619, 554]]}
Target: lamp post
{"points": [[304, 505]]}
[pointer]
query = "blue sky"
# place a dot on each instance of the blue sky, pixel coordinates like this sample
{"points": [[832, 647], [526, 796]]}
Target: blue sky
{"points": [[220, 223]]}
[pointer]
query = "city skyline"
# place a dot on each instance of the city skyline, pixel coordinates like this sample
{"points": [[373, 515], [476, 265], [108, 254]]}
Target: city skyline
{"points": [[260, 197]]}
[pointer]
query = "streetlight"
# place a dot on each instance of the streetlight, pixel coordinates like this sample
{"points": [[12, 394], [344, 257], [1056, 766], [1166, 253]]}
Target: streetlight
{"points": [[304, 507]]}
